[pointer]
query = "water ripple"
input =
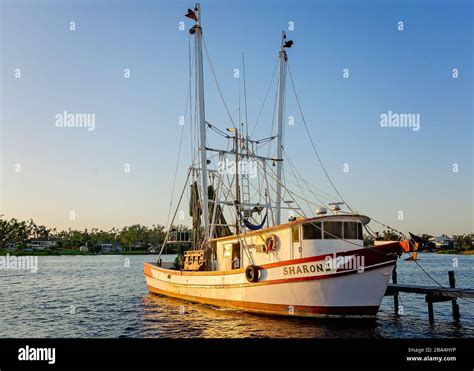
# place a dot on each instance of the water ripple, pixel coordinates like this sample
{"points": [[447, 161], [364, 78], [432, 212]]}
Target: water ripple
{"points": [[100, 296]]}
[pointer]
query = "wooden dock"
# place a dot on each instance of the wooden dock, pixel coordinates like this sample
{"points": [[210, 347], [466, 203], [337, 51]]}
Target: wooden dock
{"points": [[433, 294]]}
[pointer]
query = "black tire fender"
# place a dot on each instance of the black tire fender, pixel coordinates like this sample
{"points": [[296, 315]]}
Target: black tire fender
{"points": [[251, 273]]}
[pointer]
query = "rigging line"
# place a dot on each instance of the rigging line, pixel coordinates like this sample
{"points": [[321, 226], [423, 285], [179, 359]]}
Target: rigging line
{"points": [[217, 82], [188, 104], [175, 174], [435, 281], [176, 211], [369, 231], [273, 119], [301, 189], [328, 233], [290, 162], [292, 194], [387, 226], [238, 234], [274, 177], [323, 193], [312, 143], [270, 187], [215, 207], [418, 264], [265, 98], [263, 140], [268, 199], [217, 130]]}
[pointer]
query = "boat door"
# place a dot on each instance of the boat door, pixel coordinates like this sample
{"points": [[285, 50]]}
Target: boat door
{"points": [[231, 256], [296, 250]]}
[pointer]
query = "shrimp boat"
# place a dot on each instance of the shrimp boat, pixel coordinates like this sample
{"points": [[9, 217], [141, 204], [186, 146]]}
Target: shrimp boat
{"points": [[239, 253]]}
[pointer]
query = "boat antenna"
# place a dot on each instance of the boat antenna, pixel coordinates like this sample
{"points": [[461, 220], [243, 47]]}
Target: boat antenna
{"points": [[280, 112]]}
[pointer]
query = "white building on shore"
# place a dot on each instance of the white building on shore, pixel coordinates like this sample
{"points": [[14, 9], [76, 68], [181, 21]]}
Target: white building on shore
{"points": [[442, 242]]}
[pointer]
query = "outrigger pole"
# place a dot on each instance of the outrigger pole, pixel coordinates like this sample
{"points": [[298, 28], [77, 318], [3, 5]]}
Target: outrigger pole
{"points": [[281, 105], [196, 30]]}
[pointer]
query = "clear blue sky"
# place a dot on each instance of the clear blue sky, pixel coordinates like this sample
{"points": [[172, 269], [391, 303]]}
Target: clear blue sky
{"points": [[136, 119]]}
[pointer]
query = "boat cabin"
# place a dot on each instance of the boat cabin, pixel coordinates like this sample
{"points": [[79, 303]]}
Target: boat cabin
{"points": [[297, 239]]}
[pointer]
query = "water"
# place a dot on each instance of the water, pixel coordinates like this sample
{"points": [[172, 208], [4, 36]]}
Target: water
{"points": [[106, 296]]}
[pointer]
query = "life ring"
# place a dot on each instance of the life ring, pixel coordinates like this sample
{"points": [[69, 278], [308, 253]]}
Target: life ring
{"points": [[251, 273], [270, 243]]}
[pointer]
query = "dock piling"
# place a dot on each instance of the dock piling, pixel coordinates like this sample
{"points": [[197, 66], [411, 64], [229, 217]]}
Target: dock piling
{"points": [[454, 302], [433, 294], [395, 294], [430, 309]]}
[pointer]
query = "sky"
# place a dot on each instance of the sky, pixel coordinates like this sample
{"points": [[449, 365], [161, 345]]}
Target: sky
{"points": [[47, 172]]}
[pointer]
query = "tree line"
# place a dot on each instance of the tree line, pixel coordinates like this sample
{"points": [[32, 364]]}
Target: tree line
{"points": [[19, 233]]}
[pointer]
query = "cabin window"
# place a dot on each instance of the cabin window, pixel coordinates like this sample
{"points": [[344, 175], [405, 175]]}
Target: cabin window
{"points": [[312, 231], [360, 236], [350, 230], [332, 230], [295, 234]]}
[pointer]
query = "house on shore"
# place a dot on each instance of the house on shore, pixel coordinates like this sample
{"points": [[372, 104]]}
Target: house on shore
{"points": [[39, 245], [106, 248], [442, 242]]}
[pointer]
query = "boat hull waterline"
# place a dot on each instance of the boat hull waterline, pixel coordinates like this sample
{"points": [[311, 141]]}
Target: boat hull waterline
{"points": [[329, 285]]}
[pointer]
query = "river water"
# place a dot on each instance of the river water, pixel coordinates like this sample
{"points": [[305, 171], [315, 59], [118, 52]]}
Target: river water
{"points": [[106, 296]]}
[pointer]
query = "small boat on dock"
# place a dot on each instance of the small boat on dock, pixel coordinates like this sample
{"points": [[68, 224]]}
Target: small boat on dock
{"points": [[308, 265]]}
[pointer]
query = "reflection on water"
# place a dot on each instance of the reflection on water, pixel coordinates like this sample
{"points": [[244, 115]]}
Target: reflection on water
{"points": [[106, 296], [168, 317]]}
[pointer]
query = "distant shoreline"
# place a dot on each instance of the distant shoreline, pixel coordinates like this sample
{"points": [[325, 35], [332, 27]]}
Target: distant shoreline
{"points": [[466, 252], [71, 253], [64, 252]]}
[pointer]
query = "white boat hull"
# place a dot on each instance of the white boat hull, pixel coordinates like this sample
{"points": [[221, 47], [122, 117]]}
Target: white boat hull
{"points": [[301, 287]]}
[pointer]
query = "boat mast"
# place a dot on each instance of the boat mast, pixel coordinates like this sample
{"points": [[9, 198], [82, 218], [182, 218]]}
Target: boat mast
{"points": [[237, 184], [196, 30], [281, 102]]}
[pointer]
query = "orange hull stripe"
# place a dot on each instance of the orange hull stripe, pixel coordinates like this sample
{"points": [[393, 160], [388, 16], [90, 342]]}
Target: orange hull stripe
{"points": [[191, 273], [265, 266], [282, 280]]}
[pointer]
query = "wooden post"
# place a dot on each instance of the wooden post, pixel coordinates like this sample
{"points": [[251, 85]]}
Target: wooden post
{"points": [[395, 294], [454, 302], [430, 308]]}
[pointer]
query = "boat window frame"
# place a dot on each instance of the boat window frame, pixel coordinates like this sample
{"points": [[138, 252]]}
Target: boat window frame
{"points": [[356, 229], [331, 237], [313, 226]]}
